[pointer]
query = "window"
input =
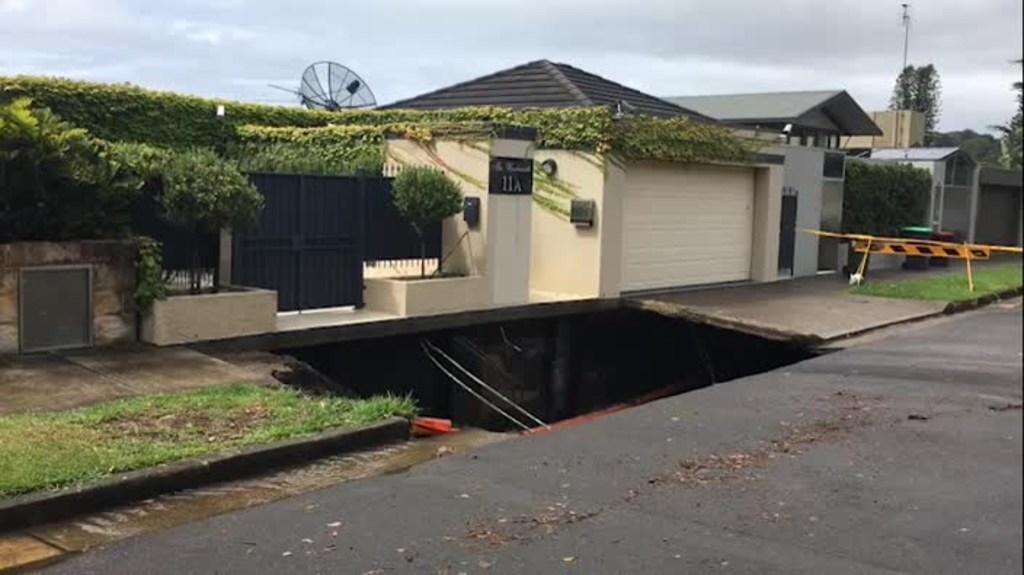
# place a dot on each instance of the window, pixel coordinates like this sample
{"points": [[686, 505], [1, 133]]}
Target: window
{"points": [[834, 165]]}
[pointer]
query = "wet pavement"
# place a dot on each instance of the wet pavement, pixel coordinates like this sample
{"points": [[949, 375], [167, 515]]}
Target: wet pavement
{"points": [[65, 380], [812, 309], [902, 455], [54, 541]]}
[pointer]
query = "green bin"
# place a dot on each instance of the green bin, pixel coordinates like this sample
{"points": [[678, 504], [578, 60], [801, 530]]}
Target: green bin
{"points": [[916, 233]]}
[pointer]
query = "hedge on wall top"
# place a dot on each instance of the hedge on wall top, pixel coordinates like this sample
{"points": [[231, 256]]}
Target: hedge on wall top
{"points": [[131, 114]]}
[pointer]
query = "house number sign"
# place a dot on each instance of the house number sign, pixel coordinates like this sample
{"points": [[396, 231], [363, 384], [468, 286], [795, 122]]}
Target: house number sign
{"points": [[513, 176]]}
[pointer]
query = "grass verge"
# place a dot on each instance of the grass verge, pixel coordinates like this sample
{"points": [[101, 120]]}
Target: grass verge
{"points": [[52, 450], [948, 287]]}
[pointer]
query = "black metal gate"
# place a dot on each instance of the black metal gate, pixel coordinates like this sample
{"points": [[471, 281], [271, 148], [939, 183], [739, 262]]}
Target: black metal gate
{"points": [[308, 244], [787, 232]]}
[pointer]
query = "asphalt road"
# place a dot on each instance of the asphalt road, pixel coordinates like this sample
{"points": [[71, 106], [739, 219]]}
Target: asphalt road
{"points": [[901, 455]]}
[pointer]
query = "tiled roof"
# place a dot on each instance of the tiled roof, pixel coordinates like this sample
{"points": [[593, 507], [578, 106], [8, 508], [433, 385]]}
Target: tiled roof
{"points": [[544, 84]]}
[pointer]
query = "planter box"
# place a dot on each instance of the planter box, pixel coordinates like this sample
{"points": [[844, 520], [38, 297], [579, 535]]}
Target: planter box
{"points": [[204, 317], [426, 297]]}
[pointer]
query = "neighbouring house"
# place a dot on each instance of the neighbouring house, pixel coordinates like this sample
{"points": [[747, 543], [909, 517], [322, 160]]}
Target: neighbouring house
{"points": [[653, 225], [900, 129], [954, 198], [808, 129], [978, 203]]}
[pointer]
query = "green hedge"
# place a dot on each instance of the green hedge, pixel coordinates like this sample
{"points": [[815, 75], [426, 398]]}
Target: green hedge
{"points": [[122, 113], [879, 199]]}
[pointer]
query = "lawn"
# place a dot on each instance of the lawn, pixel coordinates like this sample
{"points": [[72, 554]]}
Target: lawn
{"points": [[50, 450], [947, 287]]}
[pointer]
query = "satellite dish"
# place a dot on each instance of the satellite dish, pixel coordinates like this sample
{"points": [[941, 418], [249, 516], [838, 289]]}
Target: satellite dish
{"points": [[331, 86]]}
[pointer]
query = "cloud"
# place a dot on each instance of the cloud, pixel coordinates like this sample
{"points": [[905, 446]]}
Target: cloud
{"points": [[212, 34], [404, 47]]}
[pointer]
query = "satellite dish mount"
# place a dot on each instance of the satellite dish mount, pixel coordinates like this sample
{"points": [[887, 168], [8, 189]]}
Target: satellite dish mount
{"points": [[331, 86]]}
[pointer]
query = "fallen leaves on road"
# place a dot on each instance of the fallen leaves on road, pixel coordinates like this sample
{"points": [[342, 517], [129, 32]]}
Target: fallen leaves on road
{"points": [[525, 527], [714, 468]]}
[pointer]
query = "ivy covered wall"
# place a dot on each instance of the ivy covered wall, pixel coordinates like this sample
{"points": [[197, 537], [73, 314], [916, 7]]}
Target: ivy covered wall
{"points": [[131, 114]]}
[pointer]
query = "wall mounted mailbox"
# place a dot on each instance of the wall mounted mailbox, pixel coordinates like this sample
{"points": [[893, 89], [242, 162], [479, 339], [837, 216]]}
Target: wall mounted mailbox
{"points": [[511, 176], [581, 213], [471, 212]]}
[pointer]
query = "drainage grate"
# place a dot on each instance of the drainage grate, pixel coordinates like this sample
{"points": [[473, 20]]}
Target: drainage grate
{"points": [[55, 308]]}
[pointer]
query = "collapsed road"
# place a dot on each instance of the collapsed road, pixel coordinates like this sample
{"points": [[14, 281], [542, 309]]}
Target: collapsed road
{"points": [[900, 455]]}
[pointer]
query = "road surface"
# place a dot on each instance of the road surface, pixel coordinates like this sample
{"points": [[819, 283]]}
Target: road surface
{"points": [[900, 455]]}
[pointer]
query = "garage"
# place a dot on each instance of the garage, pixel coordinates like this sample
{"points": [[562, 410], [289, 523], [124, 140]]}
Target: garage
{"points": [[999, 207], [686, 225]]}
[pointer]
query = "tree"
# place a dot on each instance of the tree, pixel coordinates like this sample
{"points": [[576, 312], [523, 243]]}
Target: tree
{"points": [[920, 89], [1012, 131], [984, 148], [207, 194], [57, 182], [425, 197]]}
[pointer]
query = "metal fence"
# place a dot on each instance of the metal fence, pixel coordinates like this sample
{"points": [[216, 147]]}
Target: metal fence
{"points": [[189, 256], [389, 236]]}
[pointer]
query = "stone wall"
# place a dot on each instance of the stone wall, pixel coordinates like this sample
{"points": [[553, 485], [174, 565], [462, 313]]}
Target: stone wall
{"points": [[113, 285]]}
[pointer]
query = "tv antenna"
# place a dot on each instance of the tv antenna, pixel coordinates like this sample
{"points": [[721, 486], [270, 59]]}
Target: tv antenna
{"points": [[905, 22]]}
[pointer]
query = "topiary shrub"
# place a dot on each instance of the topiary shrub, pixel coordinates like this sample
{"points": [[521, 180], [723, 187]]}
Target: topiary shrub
{"points": [[207, 194], [425, 197], [879, 199]]}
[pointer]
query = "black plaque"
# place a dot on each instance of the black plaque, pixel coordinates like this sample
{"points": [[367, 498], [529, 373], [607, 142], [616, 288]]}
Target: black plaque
{"points": [[511, 176]]}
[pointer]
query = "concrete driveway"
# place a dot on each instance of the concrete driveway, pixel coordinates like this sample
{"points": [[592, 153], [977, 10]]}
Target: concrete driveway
{"points": [[814, 309]]}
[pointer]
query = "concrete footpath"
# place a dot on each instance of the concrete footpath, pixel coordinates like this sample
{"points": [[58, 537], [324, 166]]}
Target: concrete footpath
{"points": [[903, 455], [69, 379], [809, 310]]}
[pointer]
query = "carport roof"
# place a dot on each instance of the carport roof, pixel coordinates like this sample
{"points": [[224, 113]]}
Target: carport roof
{"points": [[809, 108], [914, 154], [544, 84]]}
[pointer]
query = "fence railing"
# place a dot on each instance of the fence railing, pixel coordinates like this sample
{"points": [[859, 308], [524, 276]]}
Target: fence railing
{"points": [[190, 257], [389, 237]]}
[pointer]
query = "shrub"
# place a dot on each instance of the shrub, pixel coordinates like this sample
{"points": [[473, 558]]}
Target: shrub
{"points": [[206, 193], [879, 199], [57, 182], [425, 197], [289, 158]]}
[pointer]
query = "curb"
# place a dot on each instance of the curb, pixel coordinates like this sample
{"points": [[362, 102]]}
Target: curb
{"points": [[43, 507], [969, 304]]}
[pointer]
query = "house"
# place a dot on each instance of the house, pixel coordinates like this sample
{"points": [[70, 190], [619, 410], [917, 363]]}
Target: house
{"points": [[954, 194], [656, 224], [978, 203], [809, 128], [900, 129]]}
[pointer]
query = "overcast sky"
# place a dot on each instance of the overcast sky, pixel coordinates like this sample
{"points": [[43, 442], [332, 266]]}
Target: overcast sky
{"points": [[234, 48]]}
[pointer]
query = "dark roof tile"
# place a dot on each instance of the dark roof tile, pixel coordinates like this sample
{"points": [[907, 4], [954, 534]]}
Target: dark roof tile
{"points": [[544, 84]]}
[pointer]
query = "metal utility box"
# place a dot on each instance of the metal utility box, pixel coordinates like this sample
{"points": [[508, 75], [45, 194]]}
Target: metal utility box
{"points": [[581, 213], [55, 308], [471, 212]]}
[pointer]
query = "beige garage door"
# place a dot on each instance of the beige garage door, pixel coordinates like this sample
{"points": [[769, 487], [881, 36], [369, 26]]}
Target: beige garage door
{"points": [[686, 225]]}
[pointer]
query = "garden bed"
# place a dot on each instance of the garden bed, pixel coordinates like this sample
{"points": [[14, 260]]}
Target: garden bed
{"points": [[52, 450], [951, 287], [414, 296], [231, 312]]}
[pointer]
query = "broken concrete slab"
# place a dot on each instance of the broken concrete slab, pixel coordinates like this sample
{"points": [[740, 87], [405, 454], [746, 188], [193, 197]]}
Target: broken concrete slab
{"points": [[805, 310]]}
